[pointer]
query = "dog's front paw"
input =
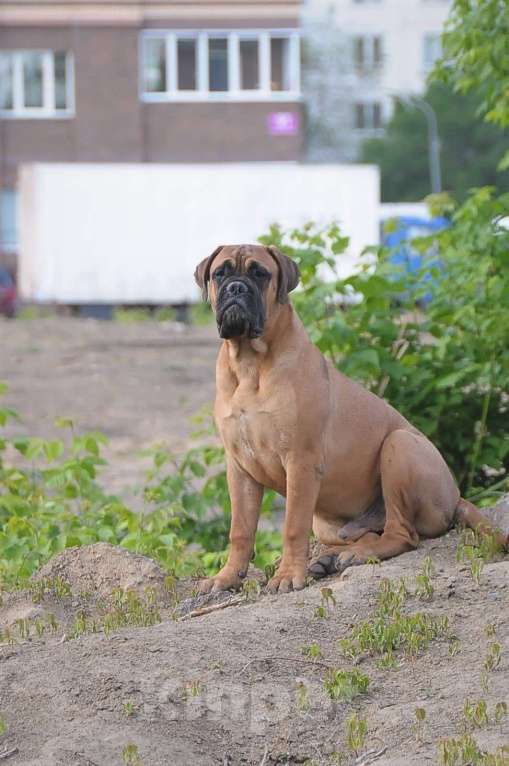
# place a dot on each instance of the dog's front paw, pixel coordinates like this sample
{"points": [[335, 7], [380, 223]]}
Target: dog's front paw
{"points": [[287, 578], [226, 579]]}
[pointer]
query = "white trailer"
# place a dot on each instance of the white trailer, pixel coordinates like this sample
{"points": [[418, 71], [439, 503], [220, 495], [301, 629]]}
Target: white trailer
{"points": [[133, 234]]}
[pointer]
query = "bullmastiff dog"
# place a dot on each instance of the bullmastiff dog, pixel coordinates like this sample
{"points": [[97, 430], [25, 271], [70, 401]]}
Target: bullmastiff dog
{"points": [[352, 469]]}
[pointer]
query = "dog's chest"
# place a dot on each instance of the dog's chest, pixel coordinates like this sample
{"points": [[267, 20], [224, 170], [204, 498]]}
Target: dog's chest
{"points": [[252, 433]]}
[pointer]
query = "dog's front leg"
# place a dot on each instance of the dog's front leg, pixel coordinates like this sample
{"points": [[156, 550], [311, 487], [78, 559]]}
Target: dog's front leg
{"points": [[246, 498], [302, 487]]}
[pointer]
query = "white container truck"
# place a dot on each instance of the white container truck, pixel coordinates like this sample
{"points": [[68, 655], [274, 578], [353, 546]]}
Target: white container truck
{"points": [[133, 234]]}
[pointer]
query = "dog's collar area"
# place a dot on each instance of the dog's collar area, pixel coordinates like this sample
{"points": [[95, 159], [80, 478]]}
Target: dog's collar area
{"points": [[259, 345]]}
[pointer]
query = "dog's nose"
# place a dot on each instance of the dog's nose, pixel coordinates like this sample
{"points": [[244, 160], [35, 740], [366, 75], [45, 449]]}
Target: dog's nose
{"points": [[235, 288]]}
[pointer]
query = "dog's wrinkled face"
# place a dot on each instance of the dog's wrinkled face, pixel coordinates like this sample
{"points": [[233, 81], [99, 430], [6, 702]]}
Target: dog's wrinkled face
{"points": [[244, 283]]}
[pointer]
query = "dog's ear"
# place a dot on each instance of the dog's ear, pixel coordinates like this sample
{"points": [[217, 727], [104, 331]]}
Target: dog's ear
{"points": [[202, 272], [289, 273]]}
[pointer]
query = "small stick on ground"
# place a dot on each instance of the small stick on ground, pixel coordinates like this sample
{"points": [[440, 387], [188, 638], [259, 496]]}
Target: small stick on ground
{"points": [[265, 756], [285, 659], [7, 753], [212, 608]]}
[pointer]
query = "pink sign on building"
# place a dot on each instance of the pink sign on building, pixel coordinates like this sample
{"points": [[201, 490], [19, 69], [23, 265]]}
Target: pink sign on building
{"points": [[283, 124]]}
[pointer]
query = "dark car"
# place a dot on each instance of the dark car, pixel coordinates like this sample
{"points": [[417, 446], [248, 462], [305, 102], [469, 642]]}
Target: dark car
{"points": [[8, 294]]}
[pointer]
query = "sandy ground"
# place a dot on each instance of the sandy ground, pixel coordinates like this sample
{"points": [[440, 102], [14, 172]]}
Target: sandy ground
{"points": [[223, 688], [138, 383]]}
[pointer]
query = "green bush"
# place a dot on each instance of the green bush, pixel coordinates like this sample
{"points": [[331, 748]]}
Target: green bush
{"points": [[51, 498], [445, 368]]}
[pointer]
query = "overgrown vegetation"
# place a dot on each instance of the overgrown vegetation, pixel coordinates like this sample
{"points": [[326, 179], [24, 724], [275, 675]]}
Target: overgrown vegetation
{"points": [[51, 498]]}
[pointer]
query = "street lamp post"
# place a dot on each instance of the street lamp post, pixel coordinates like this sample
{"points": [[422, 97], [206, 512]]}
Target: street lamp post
{"points": [[435, 171]]}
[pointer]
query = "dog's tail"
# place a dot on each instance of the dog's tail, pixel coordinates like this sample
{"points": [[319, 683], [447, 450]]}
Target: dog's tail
{"points": [[467, 515]]}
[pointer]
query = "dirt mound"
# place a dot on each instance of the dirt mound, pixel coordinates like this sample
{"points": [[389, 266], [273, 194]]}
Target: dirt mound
{"points": [[246, 683], [88, 583], [101, 568]]}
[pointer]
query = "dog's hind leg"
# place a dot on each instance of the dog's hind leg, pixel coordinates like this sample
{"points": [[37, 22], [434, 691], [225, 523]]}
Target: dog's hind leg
{"points": [[420, 498]]}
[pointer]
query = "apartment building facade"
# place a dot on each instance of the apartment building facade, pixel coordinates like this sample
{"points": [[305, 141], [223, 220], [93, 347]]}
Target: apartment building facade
{"points": [[127, 81], [362, 55]]}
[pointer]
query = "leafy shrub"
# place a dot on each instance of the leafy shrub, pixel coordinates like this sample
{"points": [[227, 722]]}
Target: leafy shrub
{"points": [[52, 499], [446, 369]]}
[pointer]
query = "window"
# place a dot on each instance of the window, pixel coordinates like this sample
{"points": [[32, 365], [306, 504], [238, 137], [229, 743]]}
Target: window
{"points": [[36, 84], [220, 65], [432, 50], [368, 116], [279, 66], [368, 53], [8, 223], [186, 64], [249, 65], [155, 66]]}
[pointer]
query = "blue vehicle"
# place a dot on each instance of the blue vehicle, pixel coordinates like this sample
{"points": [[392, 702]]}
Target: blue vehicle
{"points": [[408, 258]]}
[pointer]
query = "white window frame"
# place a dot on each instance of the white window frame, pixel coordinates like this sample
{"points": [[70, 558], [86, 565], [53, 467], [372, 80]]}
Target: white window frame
{"points": [[48, 110], [234, 93]]}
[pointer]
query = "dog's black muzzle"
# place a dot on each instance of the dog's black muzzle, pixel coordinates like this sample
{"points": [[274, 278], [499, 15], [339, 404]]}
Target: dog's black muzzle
{"points": [[239, 310]]}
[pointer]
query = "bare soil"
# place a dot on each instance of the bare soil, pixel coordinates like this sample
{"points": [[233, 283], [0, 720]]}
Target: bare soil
{"points": [[226, 687], [223, 688]]}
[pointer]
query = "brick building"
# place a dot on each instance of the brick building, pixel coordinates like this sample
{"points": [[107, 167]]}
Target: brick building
{"points": [[126, 81]]}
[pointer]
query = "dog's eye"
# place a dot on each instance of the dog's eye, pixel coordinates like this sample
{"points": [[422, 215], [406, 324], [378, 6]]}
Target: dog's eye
{"points": [[219, 274], [259, 273]]}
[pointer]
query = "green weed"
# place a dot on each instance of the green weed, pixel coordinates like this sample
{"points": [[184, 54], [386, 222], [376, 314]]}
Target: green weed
{"points": [[312, 651], [251, 589], [418, 726], [128, 708], [302, 697], [477, 548], [476, 714], [390, 631], [356, 730], [192, 689], [327, 601], [345, 684], [464, 751], [131, 755], [424, 588], [500, 711]]}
